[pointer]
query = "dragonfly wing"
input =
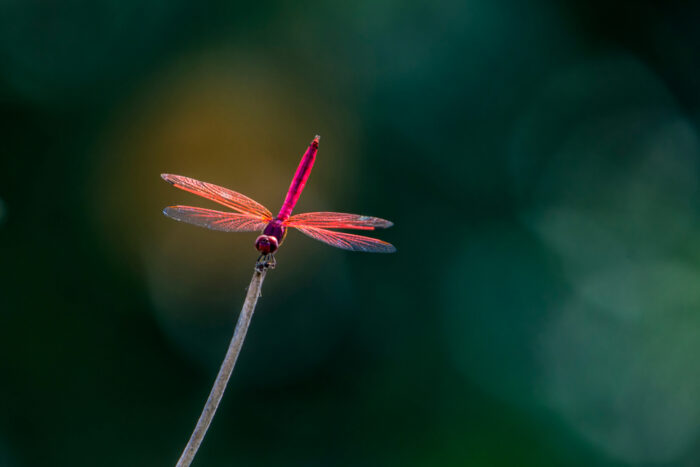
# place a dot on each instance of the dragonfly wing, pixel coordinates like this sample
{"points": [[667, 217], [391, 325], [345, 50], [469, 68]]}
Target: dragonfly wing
{"points": [[218, 194], [348, 241], [216, 220], [337, 220]]}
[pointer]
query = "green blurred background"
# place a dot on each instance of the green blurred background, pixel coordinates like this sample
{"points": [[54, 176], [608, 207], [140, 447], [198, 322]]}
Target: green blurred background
{"points": [[541, 162]]}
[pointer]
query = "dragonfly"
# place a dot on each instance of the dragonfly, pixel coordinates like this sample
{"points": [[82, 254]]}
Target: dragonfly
{"points": [[251, 216]]}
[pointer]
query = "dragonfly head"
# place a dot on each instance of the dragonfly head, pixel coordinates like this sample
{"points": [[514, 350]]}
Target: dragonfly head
{"points": [[266, 244]]}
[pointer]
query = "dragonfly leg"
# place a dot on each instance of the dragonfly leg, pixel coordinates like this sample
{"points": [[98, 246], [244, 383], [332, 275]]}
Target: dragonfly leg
{"points": [[265, 261], [260, 263]]}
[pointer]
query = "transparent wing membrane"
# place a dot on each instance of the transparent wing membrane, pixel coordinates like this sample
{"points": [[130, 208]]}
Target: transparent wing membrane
{"points": [[337, 220], [347, 241], [215, 220], [221, 195]]}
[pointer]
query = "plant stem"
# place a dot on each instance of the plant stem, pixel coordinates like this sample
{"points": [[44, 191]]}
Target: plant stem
{"points": [[234, 348]]}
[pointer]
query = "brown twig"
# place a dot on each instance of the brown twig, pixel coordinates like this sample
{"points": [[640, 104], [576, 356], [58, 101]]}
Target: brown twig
{"points": [[234, 348]]}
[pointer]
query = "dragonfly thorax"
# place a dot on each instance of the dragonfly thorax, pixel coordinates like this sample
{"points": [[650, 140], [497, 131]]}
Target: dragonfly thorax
{"points": [[271, 238]]}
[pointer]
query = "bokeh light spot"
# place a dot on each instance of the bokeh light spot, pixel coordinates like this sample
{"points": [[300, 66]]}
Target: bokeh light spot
{"points": [[614, 197], [616, 361]]}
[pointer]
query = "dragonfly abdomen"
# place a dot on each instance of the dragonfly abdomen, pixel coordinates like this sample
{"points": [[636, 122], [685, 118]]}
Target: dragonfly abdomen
{"points": [[299, 180]]}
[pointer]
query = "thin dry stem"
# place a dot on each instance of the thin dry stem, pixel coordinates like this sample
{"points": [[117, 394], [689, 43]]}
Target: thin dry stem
{"points": [[234, 348]]}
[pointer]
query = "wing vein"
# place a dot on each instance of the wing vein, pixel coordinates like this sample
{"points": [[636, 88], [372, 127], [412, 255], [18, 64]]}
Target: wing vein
{"points": [[337, 220], [218, 194], [347, 241], [215, 220]]}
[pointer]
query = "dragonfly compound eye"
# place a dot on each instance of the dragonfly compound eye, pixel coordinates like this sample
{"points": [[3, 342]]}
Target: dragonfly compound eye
{"points": [[266, 244]]}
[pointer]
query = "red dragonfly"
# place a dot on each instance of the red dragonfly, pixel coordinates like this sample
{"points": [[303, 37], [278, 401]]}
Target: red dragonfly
{"points": [[252, 216]]}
